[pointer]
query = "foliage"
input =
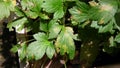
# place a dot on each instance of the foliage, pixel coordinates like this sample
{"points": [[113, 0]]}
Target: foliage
{"points": [[52, 24]]}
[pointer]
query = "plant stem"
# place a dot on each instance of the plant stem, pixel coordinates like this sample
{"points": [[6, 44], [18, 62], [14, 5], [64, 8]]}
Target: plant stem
{"points": [[44, 63], [65, 65], [49, 64]]}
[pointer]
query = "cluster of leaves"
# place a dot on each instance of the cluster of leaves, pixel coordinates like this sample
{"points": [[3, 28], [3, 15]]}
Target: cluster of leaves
{"points": [[99, 15], [53, 32], [46, 19], [6, 6]]}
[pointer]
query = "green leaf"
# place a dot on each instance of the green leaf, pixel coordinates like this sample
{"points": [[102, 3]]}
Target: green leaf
{"points": [[117, 21], [19, 12], [44, 26], [41, 46], [59, 13], [15, 48], [36, 50], [26, 4], [117, 38], [74, 23], [70, 0], [10, 4], [65, 43], [22, 53], [6, 7], [40, 37], [32, 8], [82, 6], [50, 51], [4, 10], [52, 6], [37, 5], [31, 14], [18, 24], [55, 7], [54, 29], [107, 28], [44, 16], [95, 25]]}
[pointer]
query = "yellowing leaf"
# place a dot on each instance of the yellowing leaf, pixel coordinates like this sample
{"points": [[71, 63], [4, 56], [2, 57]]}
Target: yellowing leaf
{"points": [[14, 2], [54, 29], [106, 7], [93, 3], [65, 43]]}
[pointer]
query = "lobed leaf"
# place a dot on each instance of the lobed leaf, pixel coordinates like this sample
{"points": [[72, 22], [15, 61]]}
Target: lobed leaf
{"points": [[65, 43], [55, 7], [36, 50]]}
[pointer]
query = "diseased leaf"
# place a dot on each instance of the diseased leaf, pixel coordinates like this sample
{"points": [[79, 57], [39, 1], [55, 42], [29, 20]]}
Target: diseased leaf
{"points": [[77, 15], [54, 29], [80, 12], [110, 6], [65, 43], [102, 12], [105, 11]]}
